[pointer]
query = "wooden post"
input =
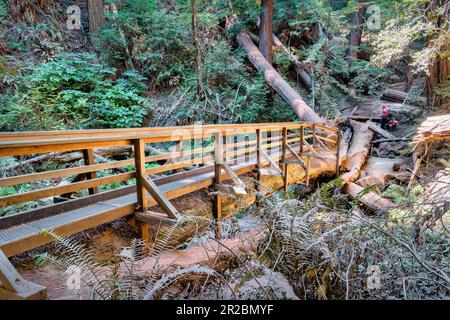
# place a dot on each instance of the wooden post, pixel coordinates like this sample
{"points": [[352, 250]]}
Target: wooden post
{"points": [[141, 192], [314, 135], [338, 144], [302, 134], [284, 164], [258, 148], [218, 160], [88, 157], [308, 166]]}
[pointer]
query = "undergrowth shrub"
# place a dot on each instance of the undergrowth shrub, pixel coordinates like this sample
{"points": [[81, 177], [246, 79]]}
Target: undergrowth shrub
{"points": [[159, 42], [71, 92]]}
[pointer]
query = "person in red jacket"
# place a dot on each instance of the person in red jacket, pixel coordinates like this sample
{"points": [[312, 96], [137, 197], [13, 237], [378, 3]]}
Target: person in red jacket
{"points": [[384, 116], [393, 124]]}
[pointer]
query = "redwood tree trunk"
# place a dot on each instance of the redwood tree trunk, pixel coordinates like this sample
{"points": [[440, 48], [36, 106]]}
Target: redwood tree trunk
{"points": [[356, 22], [265, 30], [198, 52], [23, 11], [274, 79], [96, 17], [437, 78]]}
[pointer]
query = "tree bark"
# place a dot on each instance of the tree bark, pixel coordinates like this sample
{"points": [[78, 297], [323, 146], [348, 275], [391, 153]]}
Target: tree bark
{"points": [[356, 158], [358, 151], [265, 30], [23, 11], [96, 17], [371, 199], [356, 22], [274, 79], [438, 75], [198, 53], [400, 97]]}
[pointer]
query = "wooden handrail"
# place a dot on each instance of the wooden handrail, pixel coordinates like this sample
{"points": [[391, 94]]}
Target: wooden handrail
{"points": [[30, 143]]}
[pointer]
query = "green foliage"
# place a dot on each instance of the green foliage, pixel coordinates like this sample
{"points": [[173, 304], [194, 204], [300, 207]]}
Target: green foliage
{"points": [[3, 10], [368, 78], [399, 194], [72, 92], [160, 42]]}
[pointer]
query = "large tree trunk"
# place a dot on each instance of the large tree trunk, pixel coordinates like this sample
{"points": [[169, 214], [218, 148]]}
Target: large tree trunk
{"points": [[265, 30], [438, 72], [356, 22], [96, 17], [198, 52], [437, 78], [275, 80]]}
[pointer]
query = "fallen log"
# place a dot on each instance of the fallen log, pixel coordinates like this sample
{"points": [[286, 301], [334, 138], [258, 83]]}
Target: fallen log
{"points": [[41, 158], [303, 75], [356, 158], [103, 152], [274, 79], [392, 139], [374, 127], [300, 70], [212, 253], [364, 118], [400, 97], [358, 151], [370, 199]]}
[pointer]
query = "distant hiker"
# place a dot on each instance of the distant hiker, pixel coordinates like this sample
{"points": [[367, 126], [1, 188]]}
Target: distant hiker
{"points": [[384, 117]]}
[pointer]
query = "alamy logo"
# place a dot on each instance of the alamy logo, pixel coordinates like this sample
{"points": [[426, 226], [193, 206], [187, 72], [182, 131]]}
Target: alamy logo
{"points": [[73, 274], [374, 19], [74, 18], [374, 278]]}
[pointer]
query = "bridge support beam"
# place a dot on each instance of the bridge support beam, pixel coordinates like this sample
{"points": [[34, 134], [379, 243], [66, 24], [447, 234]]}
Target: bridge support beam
{"points": [[88, 157], [145, 184], [14, 287], [142, 228]]}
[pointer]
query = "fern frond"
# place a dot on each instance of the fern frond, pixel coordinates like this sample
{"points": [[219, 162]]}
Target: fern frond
{"points": [[171, 277]]}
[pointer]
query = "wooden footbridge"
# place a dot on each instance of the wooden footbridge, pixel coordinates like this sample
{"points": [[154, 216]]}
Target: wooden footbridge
{"points": [[202, 156]]}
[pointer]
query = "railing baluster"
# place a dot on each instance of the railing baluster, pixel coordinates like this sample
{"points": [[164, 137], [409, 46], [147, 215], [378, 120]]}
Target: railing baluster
{"points": [[218, 160], [141, 192], [139, 157], [302, 133], [338, 144], [284, 164], [88, 157], [314, 134]]}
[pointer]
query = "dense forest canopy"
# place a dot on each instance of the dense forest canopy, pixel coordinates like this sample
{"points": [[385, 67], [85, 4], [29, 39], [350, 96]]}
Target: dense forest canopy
{"points": [[144, 60]]}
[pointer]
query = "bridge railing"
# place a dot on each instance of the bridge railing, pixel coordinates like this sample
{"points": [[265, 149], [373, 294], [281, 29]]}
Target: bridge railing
{"points": [[190, 146]]}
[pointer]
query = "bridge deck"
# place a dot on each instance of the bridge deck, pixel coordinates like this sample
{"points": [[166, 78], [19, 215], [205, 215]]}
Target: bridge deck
{"points": [[29, 234]]}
